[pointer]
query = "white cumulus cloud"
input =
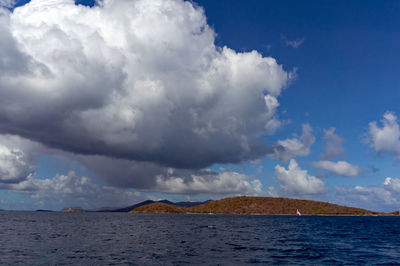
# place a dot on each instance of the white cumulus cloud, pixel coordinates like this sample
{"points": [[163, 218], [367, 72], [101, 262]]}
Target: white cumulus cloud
{"points": [[16, 163], [387, 137], [227, 182], [383, 197], [298, 146], [138, 80], [340, 167], [71, 190], [296, 181]]}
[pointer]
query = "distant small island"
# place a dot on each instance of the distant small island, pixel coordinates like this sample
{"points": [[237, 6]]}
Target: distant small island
{"points": [[72, 210], [259, 205]]}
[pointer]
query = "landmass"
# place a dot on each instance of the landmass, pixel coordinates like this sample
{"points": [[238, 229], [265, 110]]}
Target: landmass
{"points": [[72, 210], [241, 205], [135, 206], [258, 205], [160, 207], [396, 213], [147, 202]]}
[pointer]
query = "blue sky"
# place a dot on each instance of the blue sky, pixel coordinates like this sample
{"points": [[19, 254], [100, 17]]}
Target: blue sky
{"points": [[347, 64], [340, 73], [347, 69]]}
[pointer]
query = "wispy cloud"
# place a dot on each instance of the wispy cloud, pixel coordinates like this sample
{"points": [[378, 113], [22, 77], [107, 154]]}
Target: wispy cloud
{"points": [[293, 43], [333, 144]]}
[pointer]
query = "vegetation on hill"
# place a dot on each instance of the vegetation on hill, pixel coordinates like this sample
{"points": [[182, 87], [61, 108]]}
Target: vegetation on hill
{"points": [[267, 205], [73, 210], [159, 207], [146, 202], [258, 205]]}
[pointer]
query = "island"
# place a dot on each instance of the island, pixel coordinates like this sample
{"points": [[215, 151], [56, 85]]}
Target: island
{"points": [[73, 210], [258, 205]]}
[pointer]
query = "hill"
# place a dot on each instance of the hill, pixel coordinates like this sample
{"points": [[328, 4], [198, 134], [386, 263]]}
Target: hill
{"points": [[147, 202], [73, 210], [129, 208], [258, 205], [267, 205], [159, 207]]}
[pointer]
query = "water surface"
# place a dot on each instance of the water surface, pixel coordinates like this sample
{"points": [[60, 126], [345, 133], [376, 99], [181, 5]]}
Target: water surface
{"points": [[36, 238]]}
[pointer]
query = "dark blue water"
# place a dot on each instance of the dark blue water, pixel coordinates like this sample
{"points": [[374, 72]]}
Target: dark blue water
{"points": [[32, 238]]}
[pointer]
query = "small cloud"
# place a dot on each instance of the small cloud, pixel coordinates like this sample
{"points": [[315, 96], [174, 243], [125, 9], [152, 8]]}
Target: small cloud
{"points": [[385, 138], [333, 145], [268, 47], [296, 181], [293, 43], [255, 161], [340, 168], [298, 146]]}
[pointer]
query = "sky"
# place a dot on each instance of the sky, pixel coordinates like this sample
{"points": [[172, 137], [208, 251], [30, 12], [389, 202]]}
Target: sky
{"points": [[111, 102]]}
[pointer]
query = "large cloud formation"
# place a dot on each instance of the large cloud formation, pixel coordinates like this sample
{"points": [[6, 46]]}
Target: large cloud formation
{"points": [[138, 80], [146, 176]]}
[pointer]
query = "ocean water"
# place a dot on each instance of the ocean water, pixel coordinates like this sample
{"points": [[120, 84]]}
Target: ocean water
{"points": [[38, 238]]}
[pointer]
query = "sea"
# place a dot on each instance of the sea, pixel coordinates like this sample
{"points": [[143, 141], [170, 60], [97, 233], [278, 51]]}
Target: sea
{"points": [[55, 238]]}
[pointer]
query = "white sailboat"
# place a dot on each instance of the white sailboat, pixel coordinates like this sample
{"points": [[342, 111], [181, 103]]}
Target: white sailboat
{"points": [[298, 213]]}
